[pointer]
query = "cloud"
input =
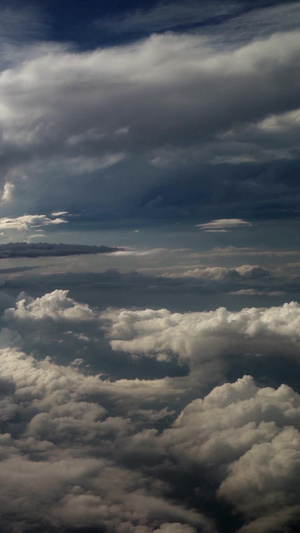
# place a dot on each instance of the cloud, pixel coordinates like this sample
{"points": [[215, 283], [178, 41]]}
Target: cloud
{"points": [[49, 140], [55, 306], [249, 437], [26, 222], [7, 193], [21, 24], [175, 528], [164, 17], [41, 249], [140, 454], [198, 337], [271, 489], [253, 272], [61, 432], [59, 213], [223, 224], [255, 292], [256, 23], [249, 251]]}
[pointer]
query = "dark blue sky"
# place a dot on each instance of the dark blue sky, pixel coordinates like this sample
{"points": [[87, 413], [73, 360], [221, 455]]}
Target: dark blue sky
{"points": [[78, 22]]}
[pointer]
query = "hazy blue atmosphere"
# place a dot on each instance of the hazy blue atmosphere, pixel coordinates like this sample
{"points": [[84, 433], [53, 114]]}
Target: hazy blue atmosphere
{"points": [[149, 266]]}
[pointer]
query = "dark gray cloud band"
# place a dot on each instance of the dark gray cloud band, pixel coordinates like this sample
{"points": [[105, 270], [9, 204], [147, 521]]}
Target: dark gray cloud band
{"points": [[41, 249]]}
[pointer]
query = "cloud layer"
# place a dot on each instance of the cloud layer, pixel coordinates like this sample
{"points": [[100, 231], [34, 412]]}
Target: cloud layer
{"points": [[139, 391], [148, 455], [24, 249], [198, 337], [153, 109]]}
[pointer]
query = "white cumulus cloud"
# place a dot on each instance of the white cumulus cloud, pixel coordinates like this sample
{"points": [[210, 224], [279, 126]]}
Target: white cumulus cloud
{"points": [[201, 336], [56, 306]]}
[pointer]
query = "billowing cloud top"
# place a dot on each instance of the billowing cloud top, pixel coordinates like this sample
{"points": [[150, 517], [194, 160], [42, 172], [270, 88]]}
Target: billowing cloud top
{"points": [[147, 455]]}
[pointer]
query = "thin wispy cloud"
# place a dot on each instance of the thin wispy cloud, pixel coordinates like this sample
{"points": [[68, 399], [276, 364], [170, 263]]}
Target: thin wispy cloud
{"points": [[223, 224], [27, 222]]}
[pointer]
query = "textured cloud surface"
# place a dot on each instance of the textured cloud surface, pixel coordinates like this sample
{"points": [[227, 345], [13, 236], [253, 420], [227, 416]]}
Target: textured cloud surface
{"points": [[151, 454], [250, 437], [150, 387], [201, 336], [153, 108], [56, 429]]}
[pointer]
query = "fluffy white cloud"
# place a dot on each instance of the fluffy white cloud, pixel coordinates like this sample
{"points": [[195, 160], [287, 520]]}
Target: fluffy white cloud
{"points": [[60, 432], [198, 337], [55, 305], [265, 480], [96, 441], [7, 194], [230, 420], [249, 437]]}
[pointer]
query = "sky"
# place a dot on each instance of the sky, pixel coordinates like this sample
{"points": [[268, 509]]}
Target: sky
{"points": [[149, 266]]}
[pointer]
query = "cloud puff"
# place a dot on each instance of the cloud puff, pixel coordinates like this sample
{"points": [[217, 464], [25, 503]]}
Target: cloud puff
{"points": [[55, 306], [249, 437], [7, 193]]}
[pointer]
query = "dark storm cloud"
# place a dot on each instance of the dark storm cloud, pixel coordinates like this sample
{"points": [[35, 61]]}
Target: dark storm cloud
{"points": [[149, 112]]}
